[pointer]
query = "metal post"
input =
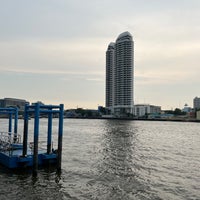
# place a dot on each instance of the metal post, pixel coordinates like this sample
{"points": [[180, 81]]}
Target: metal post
{"points": [[15, 125], [25, 135], [60, 134], [49, 137], [16, 120], [36, 134], [10, 123]]}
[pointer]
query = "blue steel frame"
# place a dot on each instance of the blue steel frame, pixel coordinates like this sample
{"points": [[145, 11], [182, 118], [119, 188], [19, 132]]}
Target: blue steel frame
{"points": [[11, 111], [38, 109]]}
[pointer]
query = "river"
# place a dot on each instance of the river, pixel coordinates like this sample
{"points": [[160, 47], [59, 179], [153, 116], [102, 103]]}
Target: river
{"points": [[114, 160]]}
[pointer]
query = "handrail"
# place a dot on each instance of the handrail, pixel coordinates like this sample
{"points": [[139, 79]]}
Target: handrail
{"points": [[7, 139]]}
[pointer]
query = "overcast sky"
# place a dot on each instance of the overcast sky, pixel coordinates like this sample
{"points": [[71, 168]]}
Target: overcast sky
{"points": [[54, 50]]}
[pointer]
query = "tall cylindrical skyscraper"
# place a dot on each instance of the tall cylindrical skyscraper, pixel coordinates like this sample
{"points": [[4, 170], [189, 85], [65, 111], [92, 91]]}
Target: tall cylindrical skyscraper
{"points": [[119, 76]]}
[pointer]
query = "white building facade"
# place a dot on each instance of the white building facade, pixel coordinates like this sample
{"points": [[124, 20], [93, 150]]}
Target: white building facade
{"points": [[120, 75], [196, 103], [141, 110]]}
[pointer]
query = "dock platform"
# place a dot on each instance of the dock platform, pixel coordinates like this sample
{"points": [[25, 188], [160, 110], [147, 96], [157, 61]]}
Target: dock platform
{"points": [[17, 153]]}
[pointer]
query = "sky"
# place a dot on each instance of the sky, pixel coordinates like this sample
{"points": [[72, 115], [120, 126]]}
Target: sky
{"points": [[54, 50]]}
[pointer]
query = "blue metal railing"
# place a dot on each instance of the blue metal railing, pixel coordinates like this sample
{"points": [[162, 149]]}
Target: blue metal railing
{"points": [[12, 111], [11, 140], [49, 110]]}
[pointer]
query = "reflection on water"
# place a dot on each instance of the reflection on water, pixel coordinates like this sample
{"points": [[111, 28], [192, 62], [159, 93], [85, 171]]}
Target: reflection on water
{"points": [[117, 167], [116, 160], [119, 163]]}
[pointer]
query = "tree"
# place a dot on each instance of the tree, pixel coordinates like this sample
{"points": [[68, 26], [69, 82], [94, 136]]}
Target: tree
{"points": [[178, 111]]}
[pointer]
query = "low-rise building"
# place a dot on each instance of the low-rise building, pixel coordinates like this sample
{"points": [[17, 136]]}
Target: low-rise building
{"points": [[186, 108], [198, 115], [142, 110], [13, 102]]}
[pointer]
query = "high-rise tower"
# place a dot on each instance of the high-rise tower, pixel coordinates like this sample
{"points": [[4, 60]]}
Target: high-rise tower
{"points": [[119, 75], [110, 64]]}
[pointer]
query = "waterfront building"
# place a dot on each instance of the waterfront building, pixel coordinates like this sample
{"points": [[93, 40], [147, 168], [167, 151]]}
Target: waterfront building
{"points": [[142, 110], [186, 109], [119, 75], [110, 64], [198, 115], [39, 102], [13, 102], [196, 103]]}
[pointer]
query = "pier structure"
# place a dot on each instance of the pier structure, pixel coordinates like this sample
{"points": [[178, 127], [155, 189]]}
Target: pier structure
{"points": [[11, 112], [14, 154], [9, 139]]}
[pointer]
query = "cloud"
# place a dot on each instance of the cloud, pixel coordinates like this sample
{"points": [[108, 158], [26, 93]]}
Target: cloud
{"points": [[60, 45], [44, 56]]}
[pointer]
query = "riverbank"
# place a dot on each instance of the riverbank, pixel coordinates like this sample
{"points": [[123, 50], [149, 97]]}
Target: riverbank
{"points": [[138, 119]]}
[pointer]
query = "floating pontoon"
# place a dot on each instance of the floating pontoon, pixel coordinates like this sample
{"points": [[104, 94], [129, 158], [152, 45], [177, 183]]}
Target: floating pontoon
{"points": [[17, 154]]}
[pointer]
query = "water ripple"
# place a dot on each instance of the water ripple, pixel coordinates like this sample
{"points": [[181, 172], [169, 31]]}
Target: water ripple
{"points": [[117, 160]]}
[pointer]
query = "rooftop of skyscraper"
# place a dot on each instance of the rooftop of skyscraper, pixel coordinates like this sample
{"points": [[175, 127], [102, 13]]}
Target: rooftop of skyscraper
{"points": [[124, 34]]}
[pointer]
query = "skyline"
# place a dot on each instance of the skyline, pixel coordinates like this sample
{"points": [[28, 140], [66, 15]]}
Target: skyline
{"points": [[60, 45]]}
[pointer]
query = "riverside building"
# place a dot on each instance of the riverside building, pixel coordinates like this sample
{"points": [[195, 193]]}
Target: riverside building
{"points": [[119, 75], [196, 103], [13, 102], [142, 110]]}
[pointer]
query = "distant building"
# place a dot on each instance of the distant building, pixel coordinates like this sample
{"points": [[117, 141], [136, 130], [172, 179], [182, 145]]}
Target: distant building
{"points": [[119, 75], [12, 102], [198, 115], [110, 64], [39, 102], [142, 110], [196, 103], [187, 109], [81, 113]]}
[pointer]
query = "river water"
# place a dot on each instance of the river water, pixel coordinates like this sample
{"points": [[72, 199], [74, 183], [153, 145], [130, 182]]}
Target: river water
{"points": [[115, 160]]}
